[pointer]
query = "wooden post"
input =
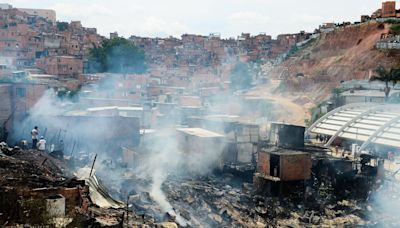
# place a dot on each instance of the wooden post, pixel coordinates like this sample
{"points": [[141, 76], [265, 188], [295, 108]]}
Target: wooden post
{"points": [[44, 162], [91, 170]]}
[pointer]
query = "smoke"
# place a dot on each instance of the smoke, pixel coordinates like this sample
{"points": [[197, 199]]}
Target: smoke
{"points": [[384, 204], [163, 159], [158, 178], [83, 134], [170, 151], [166, 156]]}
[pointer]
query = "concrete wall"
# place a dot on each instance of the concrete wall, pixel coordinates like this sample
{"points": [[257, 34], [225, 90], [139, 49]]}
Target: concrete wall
{"points": [[387, 45], [5, 102], [244, 136], [191, 144], [362, 99], [25, 96]]}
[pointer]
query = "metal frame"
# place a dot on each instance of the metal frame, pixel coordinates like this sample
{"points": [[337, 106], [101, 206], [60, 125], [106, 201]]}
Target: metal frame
{"points": [[331, 113], [371, 108], [353, 120], [378, 131]]}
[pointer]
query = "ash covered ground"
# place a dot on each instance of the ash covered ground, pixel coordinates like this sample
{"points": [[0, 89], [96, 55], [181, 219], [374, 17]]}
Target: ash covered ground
{"points": [[223, 200], [213, 200]]}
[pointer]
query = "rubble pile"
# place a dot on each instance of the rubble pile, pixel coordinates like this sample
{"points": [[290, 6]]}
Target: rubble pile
{"points": [[29, 177], [212, 201], [30, 169], [225, 201], [217, 202]]}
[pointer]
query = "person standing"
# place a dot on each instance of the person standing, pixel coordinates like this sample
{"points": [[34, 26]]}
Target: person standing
{"points": [[35, 133], [42, 144]]}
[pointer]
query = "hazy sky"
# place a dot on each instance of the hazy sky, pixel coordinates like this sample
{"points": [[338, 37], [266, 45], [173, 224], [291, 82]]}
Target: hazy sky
{"points": [[227, 17]]}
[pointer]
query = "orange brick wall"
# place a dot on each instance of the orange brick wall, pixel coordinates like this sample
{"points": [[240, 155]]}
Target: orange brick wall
{"points": [[389, 9], [263, 163], [295, 167]]}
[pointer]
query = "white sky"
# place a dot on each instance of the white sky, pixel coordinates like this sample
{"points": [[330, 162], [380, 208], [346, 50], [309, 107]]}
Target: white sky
{"points": [[228, 17]]}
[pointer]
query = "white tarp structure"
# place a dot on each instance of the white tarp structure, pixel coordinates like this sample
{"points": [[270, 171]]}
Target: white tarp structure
{"points": [[369, 123]]}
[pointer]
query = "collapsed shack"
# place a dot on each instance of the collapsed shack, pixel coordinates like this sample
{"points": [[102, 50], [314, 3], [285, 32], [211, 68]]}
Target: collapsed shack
{"points": [[38, 189]]}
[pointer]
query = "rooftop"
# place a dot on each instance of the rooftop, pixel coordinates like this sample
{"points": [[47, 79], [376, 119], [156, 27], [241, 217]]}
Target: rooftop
{"points": [[282, 151], [95, 109], [200, 132], [367, 93], [224, 118]]}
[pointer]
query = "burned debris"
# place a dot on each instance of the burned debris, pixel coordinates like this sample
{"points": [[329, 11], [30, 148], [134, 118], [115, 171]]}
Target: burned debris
{"points": [[203, 175], [192, 141]]}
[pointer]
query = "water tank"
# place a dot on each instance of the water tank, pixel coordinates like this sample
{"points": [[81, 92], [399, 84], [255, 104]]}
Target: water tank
{"points": [[55, 206]]}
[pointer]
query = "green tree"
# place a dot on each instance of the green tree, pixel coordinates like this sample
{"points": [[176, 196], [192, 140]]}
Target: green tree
{"points": [[241, 77], [117, 55], [395, 29], [387, 76], [62, 26]]}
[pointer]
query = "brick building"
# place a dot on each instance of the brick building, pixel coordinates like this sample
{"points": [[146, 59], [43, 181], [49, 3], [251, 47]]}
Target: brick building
{"points": [[18, 98], [389, 9], [64, 66], [30, 41], [49, 15]]}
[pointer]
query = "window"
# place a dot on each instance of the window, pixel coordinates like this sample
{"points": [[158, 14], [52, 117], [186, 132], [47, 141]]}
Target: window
{"points": [[21, 92]]}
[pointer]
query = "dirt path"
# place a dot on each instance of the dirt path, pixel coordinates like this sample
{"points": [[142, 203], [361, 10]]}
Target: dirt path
{"points": [[285, 110]]}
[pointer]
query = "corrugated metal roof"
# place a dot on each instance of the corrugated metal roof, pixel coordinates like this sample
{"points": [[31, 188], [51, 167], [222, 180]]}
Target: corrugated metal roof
{"points": [[371, 123]]}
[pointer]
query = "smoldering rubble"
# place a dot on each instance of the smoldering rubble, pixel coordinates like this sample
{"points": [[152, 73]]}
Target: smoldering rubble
{"points": [[214, 200], [210, 170]]}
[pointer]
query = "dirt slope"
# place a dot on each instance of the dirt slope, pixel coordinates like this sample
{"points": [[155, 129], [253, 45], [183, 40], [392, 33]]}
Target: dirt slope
{"points": [[345, 54], [309, 75]]}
